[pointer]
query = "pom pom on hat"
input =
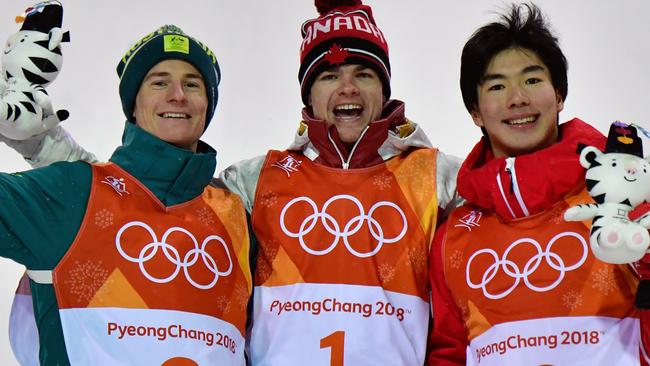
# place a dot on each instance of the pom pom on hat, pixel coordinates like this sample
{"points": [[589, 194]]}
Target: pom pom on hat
{"points": [[325, 6], [345, 33]]}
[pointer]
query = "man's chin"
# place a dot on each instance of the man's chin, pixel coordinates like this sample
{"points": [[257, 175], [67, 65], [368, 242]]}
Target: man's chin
{"points": [[349, 136]]}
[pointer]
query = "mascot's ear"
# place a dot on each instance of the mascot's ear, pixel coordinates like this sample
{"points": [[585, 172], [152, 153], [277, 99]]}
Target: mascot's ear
{"points": [[588, 157], [56, 37]]}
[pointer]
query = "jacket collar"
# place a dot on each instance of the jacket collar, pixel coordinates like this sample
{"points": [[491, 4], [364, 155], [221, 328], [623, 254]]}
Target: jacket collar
{"points": [[173, 174], [383, 139], [531, 183]]}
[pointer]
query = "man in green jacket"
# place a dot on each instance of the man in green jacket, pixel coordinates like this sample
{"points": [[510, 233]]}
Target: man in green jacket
{"points": [[136, 261]]}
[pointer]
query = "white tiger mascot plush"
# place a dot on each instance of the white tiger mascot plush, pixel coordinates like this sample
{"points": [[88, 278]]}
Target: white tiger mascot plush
{"points": [[618, 180], [31, 60]]}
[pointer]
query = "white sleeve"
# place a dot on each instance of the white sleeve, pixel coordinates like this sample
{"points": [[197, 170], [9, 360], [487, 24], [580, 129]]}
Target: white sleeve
{"points": [[49, 147], [447, 167], [241, 179], [23, 334]]}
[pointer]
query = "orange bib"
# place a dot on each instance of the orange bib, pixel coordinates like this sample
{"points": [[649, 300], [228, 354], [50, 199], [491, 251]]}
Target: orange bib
{"points": [[148, 284], [531, 290], [344, 258]]}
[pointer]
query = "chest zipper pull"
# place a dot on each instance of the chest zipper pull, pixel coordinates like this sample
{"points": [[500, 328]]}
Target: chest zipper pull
{"points": [[510, 162]]}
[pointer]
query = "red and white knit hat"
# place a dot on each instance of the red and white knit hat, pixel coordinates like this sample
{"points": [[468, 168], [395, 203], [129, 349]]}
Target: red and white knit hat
{"points": [[344, 33]]}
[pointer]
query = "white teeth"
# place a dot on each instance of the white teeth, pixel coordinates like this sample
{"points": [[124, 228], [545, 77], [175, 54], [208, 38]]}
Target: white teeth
{"points": [[520, 121], [348, 107], [175, 115]]}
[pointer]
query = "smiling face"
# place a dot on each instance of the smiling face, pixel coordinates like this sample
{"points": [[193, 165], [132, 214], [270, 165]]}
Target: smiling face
{"points": [[172, 102], [348, 97], [517, 103]]}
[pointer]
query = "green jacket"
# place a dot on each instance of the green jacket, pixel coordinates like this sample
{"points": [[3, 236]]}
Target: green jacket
{"points": [[41, 211]]}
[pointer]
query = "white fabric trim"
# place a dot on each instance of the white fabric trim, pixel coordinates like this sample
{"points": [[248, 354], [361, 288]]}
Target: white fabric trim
{"points": [[310, 151], [644, 353], [44, 277], [503, 195], [395, 145], [510, 164]]}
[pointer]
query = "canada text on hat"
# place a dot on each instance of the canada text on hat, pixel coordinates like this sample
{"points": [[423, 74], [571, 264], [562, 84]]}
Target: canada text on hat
{"points": [[355, 20]]}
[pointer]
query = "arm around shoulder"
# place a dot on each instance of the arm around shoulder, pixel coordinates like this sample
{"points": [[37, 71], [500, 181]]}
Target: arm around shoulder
{"points": [[241, 179], [447, 167]]}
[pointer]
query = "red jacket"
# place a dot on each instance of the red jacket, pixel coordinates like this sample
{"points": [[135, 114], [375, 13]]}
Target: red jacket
{"points": [[542, 179]]}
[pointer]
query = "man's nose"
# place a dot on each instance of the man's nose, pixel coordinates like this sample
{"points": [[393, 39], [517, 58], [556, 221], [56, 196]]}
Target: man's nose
{"points": [[349, 86], [176, 92], [518, 97]]}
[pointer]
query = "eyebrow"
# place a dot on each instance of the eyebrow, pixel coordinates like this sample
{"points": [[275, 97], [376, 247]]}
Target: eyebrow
{"points": [[164, 74], [356, 68], [361, 67], [527, 69]]}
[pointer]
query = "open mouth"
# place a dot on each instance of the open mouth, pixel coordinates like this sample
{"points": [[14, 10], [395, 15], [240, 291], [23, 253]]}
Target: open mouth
{"points": [[348, 110], [174, 115], [520, 121]]}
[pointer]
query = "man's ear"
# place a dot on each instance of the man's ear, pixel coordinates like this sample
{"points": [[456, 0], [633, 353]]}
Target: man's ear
{"points": [[476, 117], [560, 101]]}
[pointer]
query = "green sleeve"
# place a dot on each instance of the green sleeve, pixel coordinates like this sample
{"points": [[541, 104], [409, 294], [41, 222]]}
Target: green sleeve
{"points": [[41, 211]]}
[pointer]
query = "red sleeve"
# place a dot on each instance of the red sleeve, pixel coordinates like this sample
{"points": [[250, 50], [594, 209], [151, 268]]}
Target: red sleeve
{"points": [[642, 269], [644, 347], [639, 211], [448, 337]]}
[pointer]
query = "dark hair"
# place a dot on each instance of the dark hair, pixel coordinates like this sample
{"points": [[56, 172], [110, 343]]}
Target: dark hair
{"points": [[523, 27]]}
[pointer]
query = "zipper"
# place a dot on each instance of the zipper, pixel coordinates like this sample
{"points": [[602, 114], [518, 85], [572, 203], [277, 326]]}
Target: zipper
{"points": [[514, 186], [510, 166], [346, 164]]}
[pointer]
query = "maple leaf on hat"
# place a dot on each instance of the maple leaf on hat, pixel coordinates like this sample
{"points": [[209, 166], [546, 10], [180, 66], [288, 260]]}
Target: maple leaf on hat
{"points": [[336, 55]]}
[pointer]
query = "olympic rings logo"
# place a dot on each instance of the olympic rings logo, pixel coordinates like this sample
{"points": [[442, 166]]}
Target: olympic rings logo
{"points": [[512, 269], [191, 257], [350, 228]]}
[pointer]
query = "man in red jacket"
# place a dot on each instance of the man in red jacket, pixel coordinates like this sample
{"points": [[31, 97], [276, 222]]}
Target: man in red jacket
{"points": [[512, 282]]}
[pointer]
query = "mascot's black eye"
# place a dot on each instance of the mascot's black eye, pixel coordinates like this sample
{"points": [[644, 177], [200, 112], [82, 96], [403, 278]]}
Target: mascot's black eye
{"points": [[22, 40], [613, 164]]}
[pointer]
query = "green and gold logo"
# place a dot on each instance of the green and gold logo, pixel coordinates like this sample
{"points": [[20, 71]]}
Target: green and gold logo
{"points": [[176, 43]]}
